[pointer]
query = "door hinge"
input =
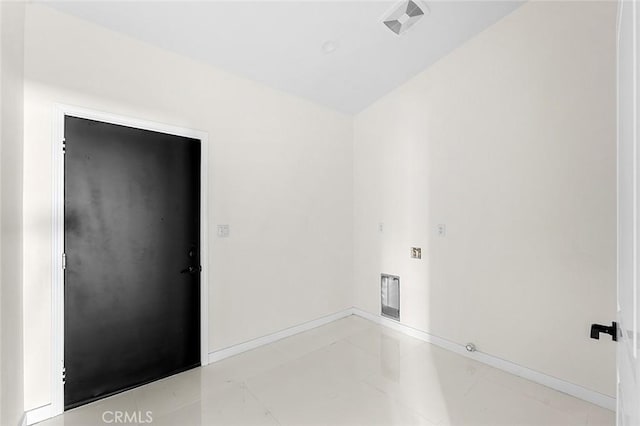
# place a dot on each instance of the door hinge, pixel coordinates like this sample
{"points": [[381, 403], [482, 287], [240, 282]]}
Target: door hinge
{"points": [[64, 375], [64, 146], [64, 261]]}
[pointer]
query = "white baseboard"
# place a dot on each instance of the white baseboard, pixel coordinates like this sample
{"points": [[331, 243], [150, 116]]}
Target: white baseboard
{"points": [[45, 412], [265, 340], [572, 389], [38, 415], [42, 413]]}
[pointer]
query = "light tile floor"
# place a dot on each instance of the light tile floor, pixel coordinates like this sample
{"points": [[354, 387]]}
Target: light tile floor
{"points": [[349, 372]]}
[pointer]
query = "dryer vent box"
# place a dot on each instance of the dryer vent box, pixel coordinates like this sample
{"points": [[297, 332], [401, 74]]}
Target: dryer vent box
{"points": [[390, 296]]}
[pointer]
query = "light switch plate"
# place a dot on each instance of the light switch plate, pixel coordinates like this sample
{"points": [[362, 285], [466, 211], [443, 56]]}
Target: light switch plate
{"points": [[223, 231]]}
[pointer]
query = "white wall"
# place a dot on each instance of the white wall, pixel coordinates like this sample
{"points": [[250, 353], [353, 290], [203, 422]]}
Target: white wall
{"points": [[280, 175], [11, 163], [510, 142]]}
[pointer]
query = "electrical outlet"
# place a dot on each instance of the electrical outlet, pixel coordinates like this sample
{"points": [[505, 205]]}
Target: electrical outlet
{"points": [[223, 231], [380, 227], [416, 253], [442, 230]]}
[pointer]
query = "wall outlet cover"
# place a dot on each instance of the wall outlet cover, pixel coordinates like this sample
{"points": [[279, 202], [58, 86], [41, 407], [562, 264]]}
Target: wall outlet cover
{"points": [[223, 231]]}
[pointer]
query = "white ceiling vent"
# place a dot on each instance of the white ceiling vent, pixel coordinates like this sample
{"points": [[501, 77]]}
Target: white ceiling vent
{"points": [[405, 15]]}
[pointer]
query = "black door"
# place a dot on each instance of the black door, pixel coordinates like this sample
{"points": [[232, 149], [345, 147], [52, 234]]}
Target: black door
{"points": [[132, 244]]}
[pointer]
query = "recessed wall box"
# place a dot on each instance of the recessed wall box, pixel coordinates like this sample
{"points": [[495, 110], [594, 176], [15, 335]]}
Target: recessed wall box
{"points": [[390, 296]]}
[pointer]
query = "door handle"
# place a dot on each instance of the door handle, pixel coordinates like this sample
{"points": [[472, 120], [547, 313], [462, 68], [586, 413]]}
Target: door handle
{"points": [[191, 270], [612, 330]]}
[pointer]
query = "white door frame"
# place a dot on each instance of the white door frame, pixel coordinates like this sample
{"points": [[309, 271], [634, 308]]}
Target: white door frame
{"points": [[57, 291], [628, 306]]}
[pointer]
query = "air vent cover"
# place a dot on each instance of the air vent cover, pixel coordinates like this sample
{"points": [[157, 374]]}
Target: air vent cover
{"points": [[405, 15], [390, 295]]}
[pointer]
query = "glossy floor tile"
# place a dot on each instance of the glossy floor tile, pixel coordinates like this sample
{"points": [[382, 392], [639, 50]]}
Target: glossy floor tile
{"points": [[349, 372]]}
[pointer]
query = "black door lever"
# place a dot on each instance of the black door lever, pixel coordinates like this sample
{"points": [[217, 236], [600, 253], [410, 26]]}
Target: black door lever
{"points": [[191, 270], [596, 329]]}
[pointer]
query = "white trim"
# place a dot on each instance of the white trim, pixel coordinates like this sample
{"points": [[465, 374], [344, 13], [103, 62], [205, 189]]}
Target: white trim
{"points": [[57, 273], [57, 299], [605, 401], [205, 198], [38, 415], [265, 340], [572, 389]]}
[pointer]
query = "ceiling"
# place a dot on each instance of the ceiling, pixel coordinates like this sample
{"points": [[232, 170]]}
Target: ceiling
{"points": [[281, 43]]}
